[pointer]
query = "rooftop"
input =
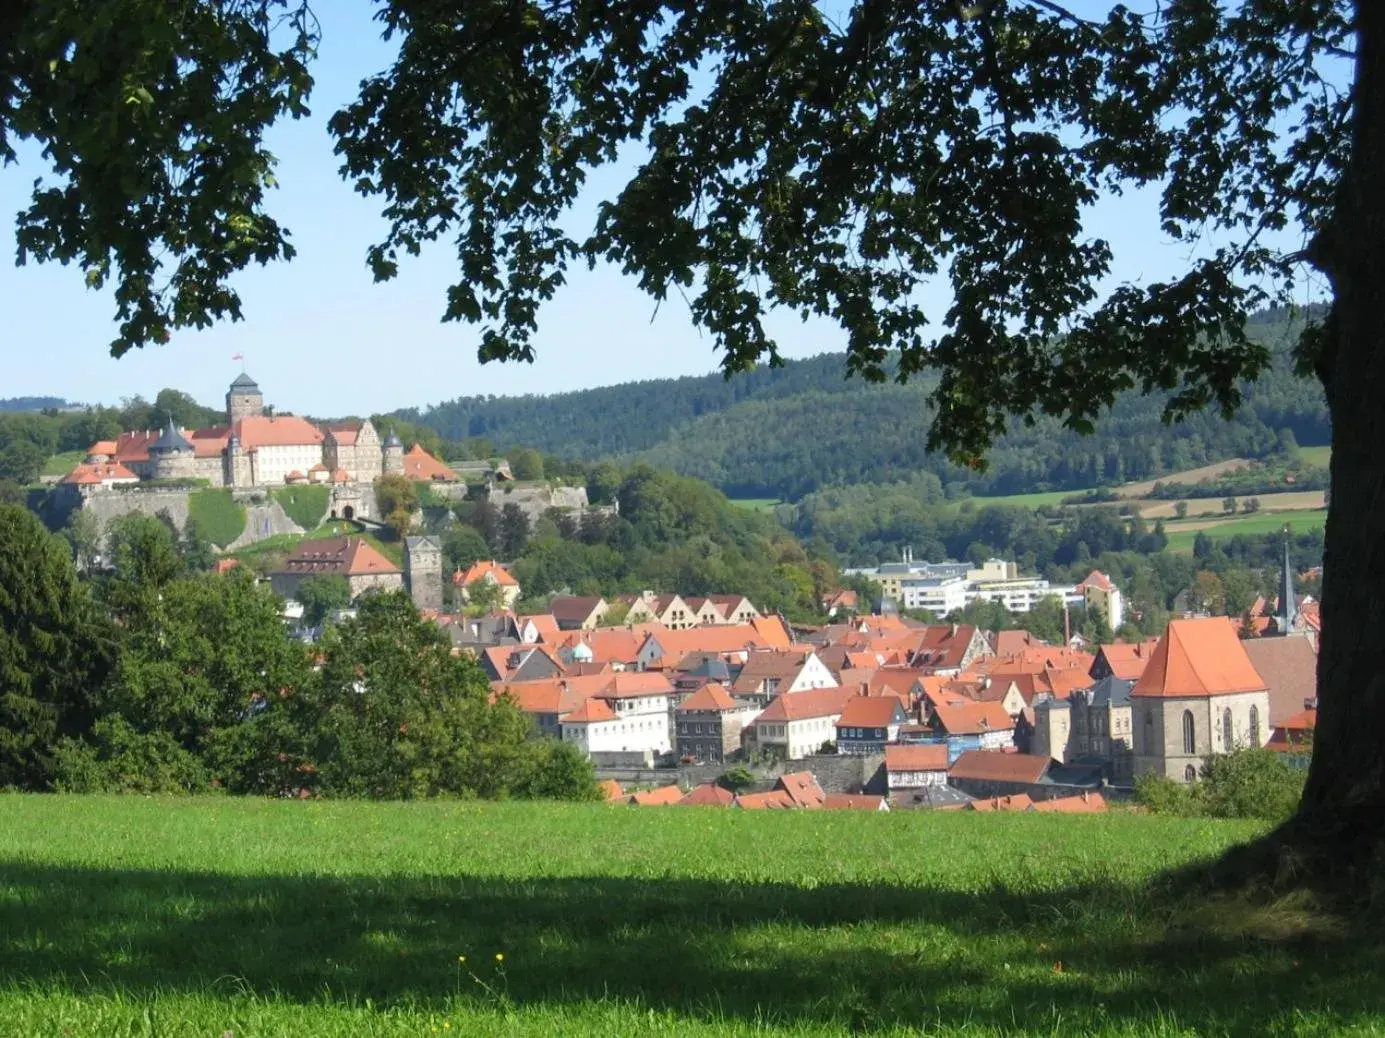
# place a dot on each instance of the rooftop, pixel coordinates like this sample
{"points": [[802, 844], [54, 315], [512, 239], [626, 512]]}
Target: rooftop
{"points": [[1199, 658]]}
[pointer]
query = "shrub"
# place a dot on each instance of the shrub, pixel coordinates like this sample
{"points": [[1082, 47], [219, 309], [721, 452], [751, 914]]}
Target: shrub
{"points": [[1245, 784], [219, 518], [305, 505]]}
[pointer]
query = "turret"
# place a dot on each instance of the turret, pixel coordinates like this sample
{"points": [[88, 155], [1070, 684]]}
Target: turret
{"points": [[171, 455]]}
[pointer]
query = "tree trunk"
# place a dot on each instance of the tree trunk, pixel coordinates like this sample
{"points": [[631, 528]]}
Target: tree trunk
{"points": [[1343, 811]]}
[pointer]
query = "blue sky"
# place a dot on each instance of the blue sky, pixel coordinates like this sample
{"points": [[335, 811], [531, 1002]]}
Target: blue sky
{"points": [[321, 338]]}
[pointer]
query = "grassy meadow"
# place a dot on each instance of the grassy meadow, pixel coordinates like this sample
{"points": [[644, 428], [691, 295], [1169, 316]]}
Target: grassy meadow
{"points": [[1181, 537], [143, 917]]}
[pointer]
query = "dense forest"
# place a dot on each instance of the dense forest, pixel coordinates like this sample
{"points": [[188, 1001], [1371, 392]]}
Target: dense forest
{"points": [[787, 432]]}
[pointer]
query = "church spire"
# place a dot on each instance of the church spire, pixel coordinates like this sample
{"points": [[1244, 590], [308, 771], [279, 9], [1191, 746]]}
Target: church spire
{"points": [[1288, 601]]}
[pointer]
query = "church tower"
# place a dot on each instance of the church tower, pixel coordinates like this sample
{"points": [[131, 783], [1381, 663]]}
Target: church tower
{"points": [[1288, 601], [244, 400]]}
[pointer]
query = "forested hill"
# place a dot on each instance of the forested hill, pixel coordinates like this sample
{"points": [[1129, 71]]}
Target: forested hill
{"points": [[32, 403], [786, 432]]}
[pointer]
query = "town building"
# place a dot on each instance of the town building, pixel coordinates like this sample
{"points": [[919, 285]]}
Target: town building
{"points": [[868, 723], [363, 566], [709, 724], [1200, 695], [797, 724], [1093, 723], [1099, 591], [491, 573], [912, 767]]}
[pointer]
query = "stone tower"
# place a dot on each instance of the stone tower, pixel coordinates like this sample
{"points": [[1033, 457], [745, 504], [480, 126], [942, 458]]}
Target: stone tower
{"points": [[393, 455], [244, 400], [423, 571], [171, 455]]}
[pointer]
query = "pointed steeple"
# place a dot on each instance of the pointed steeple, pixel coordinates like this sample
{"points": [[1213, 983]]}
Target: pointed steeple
{"points": [[1288, 602]]}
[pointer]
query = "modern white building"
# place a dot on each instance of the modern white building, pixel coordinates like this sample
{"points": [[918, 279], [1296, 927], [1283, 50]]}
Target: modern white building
{"points": [[945, 587]]}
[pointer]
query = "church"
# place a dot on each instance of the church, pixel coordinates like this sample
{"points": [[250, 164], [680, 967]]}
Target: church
{"points": [[255, 449]]}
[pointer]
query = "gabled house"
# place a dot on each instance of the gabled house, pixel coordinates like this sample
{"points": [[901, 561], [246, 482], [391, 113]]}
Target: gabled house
{"points": [[735, 609], [363, 566], [796, 724], [915, 767], [704, 612], [491, 573], [665, 648], [709, 724], [768, 672], [1293, 735], [1200, 695], [867, 723], [709, 794], [1124, 660], [519, 663], [846, 601], [967, 725], [669, 610], [661, 797], [547, 702], [949, 649], [578, 612]]}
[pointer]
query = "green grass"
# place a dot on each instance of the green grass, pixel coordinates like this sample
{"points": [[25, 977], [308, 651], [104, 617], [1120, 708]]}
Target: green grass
{"points": [[1320, 456], [757, 504], [305, 505], [219, 518], [62, 464], [148, 916], [1259, 523]]}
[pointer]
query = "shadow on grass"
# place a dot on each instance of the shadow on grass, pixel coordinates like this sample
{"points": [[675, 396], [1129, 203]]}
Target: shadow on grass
{"points": [[855, 954]]}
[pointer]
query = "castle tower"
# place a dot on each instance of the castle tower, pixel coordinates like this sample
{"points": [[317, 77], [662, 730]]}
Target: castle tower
{"points": [[237, 464], [171, 455], [393, 455], [244, 400], [423, 571]]}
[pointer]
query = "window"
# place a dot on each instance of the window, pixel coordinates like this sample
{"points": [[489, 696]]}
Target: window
{"points": [[1189, 734], [1190, 774], [1228, 736], [1255, 726]]}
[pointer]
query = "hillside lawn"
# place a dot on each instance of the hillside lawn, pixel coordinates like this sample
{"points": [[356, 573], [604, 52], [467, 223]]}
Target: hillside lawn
{"points": [[1182, 534], [1291, 501], [62, 464], [1036, 500], [150, 916], [1320, 456]]}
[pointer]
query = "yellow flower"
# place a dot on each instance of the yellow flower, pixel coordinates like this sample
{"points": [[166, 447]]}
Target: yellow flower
{"points": [[461, 958], [499, 957]]}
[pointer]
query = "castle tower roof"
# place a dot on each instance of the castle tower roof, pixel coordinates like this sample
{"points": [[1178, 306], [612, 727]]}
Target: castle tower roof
{"points": [[393, 440], [171, 440], [244, 385]]}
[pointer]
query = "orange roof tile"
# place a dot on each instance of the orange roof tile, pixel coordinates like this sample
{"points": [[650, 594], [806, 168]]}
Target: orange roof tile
{"points": [[1017, 802], [657, 797], [422, 466], [1085, 803], [773, 800], [709, 794], [995, 766], [795, 706], [610, 789], [1303, 721], [480, 570], [1199, 657], [963, 717], [1128, 660], [872, 712], [106, 447], [802, 788], [97, 472], [927, 757], [345, 433], [546, 626], [280, 431], [592, 711], [852, 802], [348, 556], [711, 696]]}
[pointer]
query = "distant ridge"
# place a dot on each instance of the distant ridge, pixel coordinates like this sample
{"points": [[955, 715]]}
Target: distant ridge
{"points": [[35, 403]]}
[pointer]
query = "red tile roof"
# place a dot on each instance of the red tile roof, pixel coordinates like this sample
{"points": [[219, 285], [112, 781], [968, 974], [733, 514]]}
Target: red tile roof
{"points": [[1097, 579], [610, 789], [480, 570], [1017, 802], [1083, 804], [964, 717], [657, 797], [1200, 657], [98, 472], [872, 712], [930, 757], [421, 466], [1289, 666], [280, 431], [852, 802], [348, 556], [1128, 660], [802, 788], [774, 799], [709, 794], [994, 766], [795, 706], [1303, 721], [711, 696], [592, 711], [345, 433], [942, 646]]}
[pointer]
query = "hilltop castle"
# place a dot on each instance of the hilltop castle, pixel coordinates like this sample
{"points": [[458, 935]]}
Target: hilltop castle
{"points": [[254, 449]]}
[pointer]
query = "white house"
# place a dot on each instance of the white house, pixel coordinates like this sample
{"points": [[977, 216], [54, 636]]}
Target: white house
{"points": [[796, 724]]}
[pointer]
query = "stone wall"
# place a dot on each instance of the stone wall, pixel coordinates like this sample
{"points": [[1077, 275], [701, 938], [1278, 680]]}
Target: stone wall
{"points": [[263, 516], [263, 520]]}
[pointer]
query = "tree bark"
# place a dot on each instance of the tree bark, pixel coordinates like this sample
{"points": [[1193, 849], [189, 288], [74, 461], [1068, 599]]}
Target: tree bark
{"points": [[1343, 809]]}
